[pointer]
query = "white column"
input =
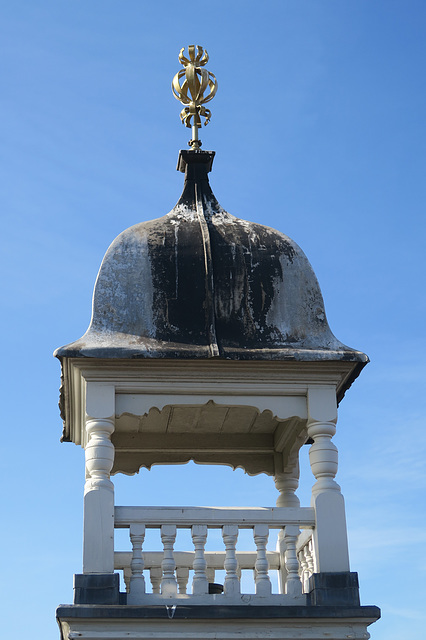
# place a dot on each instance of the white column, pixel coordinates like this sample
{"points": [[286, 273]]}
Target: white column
{"points": [[309, 555], [287, 482], [182, 577], [137, 581], [293, 584], [329, 536], [304, 573], [232, 584], [98, 542], [155, 575], [210, 573], [127, 574], [200, 584], [261, 572], [168, 537], [282, 572]]}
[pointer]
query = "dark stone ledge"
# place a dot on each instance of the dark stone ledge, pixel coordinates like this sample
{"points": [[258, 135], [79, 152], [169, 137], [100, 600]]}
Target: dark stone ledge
{"points": [[216, 612]]}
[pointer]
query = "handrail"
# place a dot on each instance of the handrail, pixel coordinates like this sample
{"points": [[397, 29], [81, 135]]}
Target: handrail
{"points": [[215, 517]]}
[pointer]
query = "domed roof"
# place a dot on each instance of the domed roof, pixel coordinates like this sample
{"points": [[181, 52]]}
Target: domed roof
{"points": [[200, 283]]}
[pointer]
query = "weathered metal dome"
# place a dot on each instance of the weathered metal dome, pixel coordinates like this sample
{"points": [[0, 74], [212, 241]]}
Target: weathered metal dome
{"points": [[200, 283]]}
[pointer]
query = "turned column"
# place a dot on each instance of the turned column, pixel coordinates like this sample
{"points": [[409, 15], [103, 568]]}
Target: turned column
{"points": [[232, 582], [137, 580], [200, 584], [287, 483], [98, 542], [293, 584], [261, 567], [329, 536]]}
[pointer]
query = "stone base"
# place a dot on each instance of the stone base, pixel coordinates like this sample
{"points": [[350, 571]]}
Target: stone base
{"points": [[334, 589], [91, 588], [181, 621]]}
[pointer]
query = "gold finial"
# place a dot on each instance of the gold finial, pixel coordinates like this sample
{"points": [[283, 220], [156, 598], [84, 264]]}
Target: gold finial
{"points": [[191, 91]]}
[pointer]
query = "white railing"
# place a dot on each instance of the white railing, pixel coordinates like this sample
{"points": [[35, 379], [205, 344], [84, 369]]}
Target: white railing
{"points": [[305, 555], [184, 565], [169, 570]]}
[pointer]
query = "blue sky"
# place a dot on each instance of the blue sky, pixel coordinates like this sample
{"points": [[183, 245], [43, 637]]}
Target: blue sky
{"points": [[318, 127]]}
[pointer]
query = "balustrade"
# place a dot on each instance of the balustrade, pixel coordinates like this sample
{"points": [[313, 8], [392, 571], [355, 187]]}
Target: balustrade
{"points": [[170, 570], [305, 555]]}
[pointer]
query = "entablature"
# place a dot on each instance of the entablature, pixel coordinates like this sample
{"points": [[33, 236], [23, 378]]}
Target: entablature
{"points": [[243, 414]]}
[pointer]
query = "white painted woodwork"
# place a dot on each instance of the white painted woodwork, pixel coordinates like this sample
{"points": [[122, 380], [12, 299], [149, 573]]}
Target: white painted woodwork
{"points": [[168, 566], [185, 559], [199, 537], [281, 406], [182, 577], [100, 400], [127, 574], [215, 517], [287, 382], [230, 519], [262, 579], [233, 413], [210, 572], [254, 415], [232, 584], [322, 418], [287, 484], [330, 537], [293, 583], [309, 553], [323, 456], [216, 629], [304, 549], [98, 528], [282, 571], [155, 575], [137, 581], [303, 570]]}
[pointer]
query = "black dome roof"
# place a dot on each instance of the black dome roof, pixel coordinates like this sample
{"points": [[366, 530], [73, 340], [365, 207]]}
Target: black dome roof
{"points": [[200, 283]]}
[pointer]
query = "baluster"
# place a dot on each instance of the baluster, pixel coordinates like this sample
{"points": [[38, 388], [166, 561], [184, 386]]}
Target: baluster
{"points": [[155, 575], [304, 573], [282, 571], [310, 556], [137, 581], [199, 538], [127, 574], [293, 585], [232, 583], [263, 582], [168, 537], [210, 573], [182, 576]]}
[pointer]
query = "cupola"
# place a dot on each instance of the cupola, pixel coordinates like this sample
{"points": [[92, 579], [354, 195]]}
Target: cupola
{"points": [[209, 342]]}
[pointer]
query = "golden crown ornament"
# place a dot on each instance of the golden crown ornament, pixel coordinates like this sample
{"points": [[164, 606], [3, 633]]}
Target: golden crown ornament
{"points": [[189, 86]]}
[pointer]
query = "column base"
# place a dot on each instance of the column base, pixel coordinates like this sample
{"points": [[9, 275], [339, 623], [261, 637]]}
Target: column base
{"points": [[334, 589], [95, 588]]}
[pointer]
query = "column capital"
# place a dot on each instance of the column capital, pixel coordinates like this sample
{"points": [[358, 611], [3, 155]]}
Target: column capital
{"points": [[100, 400], [322, 404]]}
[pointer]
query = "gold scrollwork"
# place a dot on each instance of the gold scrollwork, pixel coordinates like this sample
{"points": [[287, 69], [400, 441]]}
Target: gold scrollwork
{"points": [[189, 86]]}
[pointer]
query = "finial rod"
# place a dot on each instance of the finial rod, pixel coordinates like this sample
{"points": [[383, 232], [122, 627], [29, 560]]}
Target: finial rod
{"points": [[189, 86], [195, 142]]}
